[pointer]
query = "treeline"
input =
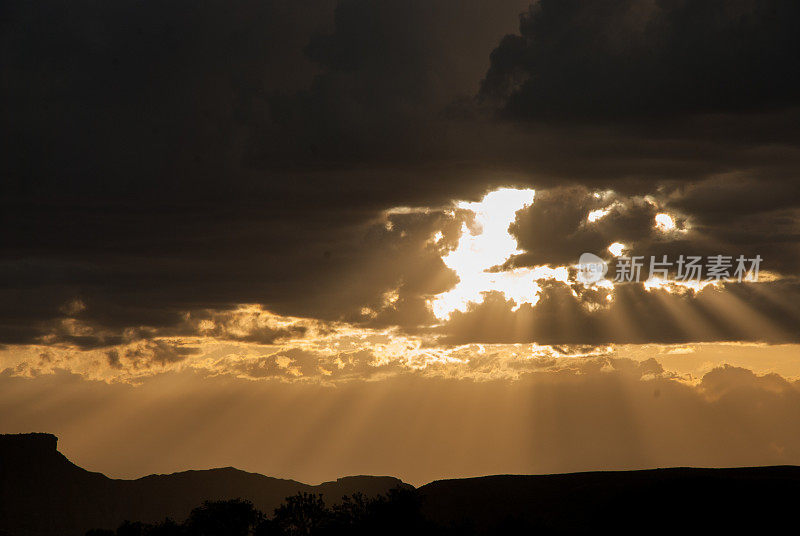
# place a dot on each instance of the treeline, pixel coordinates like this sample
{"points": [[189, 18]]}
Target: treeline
{"points": [[305, 514]]}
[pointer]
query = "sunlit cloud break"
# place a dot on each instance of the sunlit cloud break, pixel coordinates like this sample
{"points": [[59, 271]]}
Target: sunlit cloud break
{"points": [[487, 245]]}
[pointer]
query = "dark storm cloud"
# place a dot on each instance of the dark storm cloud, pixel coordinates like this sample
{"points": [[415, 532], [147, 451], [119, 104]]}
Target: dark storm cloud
{"points": [[555, 229], [619, 59], [651, 91], [737, 216], [163, 158], [390, 70], [159, 158]]}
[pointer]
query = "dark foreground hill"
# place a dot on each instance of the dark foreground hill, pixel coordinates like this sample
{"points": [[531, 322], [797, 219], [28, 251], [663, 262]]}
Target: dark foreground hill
{"points": [[42, 494], [755, 500]]}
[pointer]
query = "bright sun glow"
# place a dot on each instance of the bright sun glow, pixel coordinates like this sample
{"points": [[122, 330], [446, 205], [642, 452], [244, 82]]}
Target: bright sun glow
{"points": [[616, 249], [597, 214], [664, 222], [600, 213], [487, 246]]}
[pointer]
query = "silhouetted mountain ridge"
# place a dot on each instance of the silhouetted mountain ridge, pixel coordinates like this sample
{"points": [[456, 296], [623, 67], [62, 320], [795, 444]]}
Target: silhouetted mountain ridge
{"points": [[660, 501], [43, 493]]}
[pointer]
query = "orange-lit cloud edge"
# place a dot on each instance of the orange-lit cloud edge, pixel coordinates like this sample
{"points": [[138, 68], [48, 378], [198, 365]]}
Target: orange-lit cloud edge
{"points": [[253, 343]]}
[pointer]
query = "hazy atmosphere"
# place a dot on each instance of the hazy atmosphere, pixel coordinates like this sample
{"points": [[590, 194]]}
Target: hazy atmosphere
{"points": [[318, 238]]}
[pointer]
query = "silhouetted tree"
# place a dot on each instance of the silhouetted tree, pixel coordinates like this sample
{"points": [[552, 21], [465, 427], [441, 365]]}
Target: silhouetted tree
{"points": [[223, 518], [303, 514], [352, 512], [129, 528], [166, 528], [398, 512]]}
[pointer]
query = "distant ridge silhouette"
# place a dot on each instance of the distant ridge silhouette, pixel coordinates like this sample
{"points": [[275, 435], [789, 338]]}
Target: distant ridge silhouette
{"points": [[42, 493], [757, 500]]}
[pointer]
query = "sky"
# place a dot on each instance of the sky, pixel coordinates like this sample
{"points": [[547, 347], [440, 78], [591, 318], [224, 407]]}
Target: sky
{"points": [[315, 238]]}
